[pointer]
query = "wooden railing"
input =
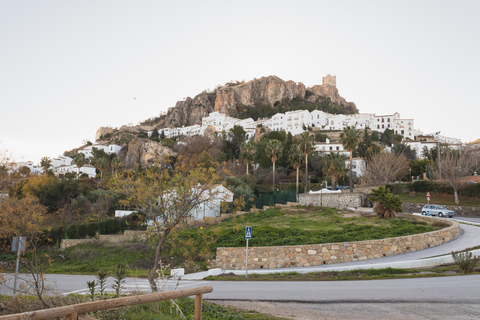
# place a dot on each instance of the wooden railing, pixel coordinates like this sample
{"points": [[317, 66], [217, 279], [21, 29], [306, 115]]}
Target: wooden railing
{"points": [[75, 311]]}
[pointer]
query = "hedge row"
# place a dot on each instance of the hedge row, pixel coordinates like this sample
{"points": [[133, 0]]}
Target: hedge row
{"points": [[90, 230], [467, 190]]}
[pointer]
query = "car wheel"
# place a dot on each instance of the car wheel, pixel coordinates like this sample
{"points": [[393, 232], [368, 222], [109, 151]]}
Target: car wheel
{"points": [[423, 213], [440, 214]]}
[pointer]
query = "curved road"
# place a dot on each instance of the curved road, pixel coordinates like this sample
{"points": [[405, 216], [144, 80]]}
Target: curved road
{"points": [[459, 295]]}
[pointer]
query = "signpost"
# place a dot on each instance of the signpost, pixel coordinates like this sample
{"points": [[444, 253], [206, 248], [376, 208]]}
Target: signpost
{"points": [[248, 236], [18, 245], [428, 197]]}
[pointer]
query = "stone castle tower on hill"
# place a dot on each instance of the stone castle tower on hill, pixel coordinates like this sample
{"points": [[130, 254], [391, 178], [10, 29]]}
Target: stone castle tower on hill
{"points": [[329, 80]]}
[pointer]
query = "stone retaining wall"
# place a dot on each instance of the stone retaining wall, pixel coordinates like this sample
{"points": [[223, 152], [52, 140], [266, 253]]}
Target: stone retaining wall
{"points": [[342, 200], [471, 212], [329, 253], [127, 235]]}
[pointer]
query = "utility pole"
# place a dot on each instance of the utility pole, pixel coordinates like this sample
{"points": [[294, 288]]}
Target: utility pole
{"points": [[439, 156]]}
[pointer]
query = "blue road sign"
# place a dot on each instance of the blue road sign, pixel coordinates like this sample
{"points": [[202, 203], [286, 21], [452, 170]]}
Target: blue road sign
{"points": [[248, 232]]}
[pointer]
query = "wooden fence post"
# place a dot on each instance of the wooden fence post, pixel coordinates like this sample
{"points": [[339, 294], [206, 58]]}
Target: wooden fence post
{"points": [[198, 306]]}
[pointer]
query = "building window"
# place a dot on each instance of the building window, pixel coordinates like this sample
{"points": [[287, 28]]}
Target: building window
{"points": [[338, 148], [388, 119]]}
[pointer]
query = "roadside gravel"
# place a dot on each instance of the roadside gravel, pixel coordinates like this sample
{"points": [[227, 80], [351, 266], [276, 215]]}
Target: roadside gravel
{"points": [[361, 311]]}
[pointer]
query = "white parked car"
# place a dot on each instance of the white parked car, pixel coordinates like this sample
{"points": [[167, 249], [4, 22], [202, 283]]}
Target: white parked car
{"points": [[437, 210]]}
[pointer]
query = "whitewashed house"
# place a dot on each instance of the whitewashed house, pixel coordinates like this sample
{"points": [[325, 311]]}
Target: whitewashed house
{"points": [[61, 161], [212, 207], [110, 149], [87, 169], [327, 146], [358, 166]]}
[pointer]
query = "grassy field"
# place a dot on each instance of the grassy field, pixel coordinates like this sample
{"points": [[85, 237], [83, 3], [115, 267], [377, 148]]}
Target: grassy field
{"points": [[193, 246], [439, 198]]}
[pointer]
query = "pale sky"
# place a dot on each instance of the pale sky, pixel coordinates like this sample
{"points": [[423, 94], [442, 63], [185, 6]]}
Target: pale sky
{"points": [[70, 67]]}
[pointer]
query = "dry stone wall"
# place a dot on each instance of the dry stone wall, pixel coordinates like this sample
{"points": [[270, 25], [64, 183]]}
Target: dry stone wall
{"points": [[342, 200], [329, 253]]}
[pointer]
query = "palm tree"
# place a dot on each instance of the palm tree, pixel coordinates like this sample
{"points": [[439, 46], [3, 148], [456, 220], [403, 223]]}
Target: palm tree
{"points": [[350, 138], [296, 160], [117, 165], [306, 147], [247, 152], [80, 161], [274, 149], [45, 163], [334, 167]]}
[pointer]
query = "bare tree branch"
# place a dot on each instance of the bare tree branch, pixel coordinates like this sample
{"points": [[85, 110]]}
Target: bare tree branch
{"points": [[384, 167], [454, 165]]}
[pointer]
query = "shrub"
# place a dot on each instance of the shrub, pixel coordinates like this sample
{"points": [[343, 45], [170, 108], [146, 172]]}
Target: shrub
{"points": [[398, 188], [387, 203], [423, 186], [465, 261]]}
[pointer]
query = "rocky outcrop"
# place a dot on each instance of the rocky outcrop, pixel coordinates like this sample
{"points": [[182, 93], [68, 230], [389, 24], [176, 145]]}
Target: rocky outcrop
{"points": [[191, 111], [233, 97], [144, 152], [258, 92], [319, 93]]}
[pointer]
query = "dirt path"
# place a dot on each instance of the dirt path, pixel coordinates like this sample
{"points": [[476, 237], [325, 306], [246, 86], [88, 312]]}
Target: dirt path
{"points": [[361, 311]]}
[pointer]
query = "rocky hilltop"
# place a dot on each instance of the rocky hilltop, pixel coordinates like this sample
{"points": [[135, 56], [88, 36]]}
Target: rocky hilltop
{"points": [[233, 98]]}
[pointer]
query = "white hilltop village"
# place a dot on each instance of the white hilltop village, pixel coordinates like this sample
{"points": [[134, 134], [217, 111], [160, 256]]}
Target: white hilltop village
{"points": [[294, 122]]}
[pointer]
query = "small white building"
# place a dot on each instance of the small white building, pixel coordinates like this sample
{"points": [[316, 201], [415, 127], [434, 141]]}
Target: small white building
{"points": [[212, 207], [358, 166], [327, 146], [61, 161], [110, 149], [87, 169]]}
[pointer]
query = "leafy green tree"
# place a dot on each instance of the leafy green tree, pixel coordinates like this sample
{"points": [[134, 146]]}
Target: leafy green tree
{"points": [[240, 186], [167, 199], [418, 167], [334, 167], [284, 160], [306, 147], [167, 142], [350, 138], [236, 137], [274, 149], [155, 136], [402, 148], [387, 204]]}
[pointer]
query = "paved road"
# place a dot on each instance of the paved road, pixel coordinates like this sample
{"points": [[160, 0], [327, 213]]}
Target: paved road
{"points": [[469, 238], [465, 289]]}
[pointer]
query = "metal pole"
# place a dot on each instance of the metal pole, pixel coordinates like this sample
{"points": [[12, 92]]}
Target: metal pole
{"points": [[246, 262], [16, 269], [439, 161]]}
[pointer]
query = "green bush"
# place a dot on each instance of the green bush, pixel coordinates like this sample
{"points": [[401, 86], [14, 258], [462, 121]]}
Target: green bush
{"points": [[470, 190], [398, 188], [423, 186], [465, 261]]}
